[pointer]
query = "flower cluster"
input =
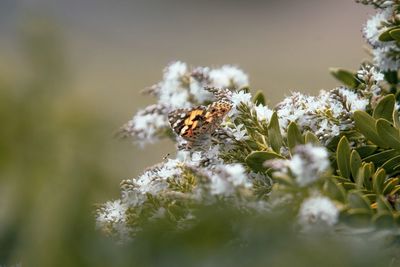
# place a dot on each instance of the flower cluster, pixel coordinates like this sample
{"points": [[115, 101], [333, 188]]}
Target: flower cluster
{"points": [[326, 115], [379, 33], [317, 157], [181, 87]]}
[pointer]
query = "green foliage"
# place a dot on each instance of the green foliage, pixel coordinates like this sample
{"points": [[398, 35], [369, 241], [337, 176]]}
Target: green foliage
{"points": [[344, 76], [256, 159]]}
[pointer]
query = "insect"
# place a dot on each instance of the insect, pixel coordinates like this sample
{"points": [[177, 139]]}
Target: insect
{"points": [[197, 124]]}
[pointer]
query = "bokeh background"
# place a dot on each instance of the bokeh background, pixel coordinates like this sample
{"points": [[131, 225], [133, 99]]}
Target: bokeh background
{"points": [[71, 74]]}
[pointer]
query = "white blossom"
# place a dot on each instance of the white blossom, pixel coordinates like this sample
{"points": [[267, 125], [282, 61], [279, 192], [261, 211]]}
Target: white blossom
{"points": [[238, 132], [263, 113], [226, 178], [147, 124], [318, 211], [228, 77], [375, 26], [112, 211], [384, 59], [308, 164], [325, 115]]}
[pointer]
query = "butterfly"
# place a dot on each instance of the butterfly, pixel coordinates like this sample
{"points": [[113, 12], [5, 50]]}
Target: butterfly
{"points": [[197, 124]]}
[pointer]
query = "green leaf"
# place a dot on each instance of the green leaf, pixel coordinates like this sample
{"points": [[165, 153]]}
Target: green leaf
{"points": [[366, 150], [395, 34], [385, 36], [361, 175], [274, 133], [255, 160], [390, 165], [384, 108], [259, 98], [346, 77], [366, 125], [334, 190], [311, 138], [396, 119], [368, 172], [378, 179], [395, 190], [389, 185], [389, 134], [382, 204], [383, 220], [380, 158], [355, 163], [357, 217], [343, 157], [294, 136], [348, 186], [357, 201]]}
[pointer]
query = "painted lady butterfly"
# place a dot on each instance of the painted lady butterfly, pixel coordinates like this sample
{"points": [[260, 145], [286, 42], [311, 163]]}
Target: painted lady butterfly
{"points": [[197, 124]]}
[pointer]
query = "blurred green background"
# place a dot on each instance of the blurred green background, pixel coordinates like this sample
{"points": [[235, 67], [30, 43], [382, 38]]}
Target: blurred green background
{"points": [[70, 76]]}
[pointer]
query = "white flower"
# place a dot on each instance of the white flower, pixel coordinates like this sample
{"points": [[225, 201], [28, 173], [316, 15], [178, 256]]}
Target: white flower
{"points": [[226, 178], [263, 113], [308, 163], [112, 211], [370, 74], [240, 97], [154, 180], [375, 26], [175, 71], [384, 60], [355, 101], [228, 77], [172, 91], [146, 125], [318, 211], [236, 99], [238, 132], [197, 90]]}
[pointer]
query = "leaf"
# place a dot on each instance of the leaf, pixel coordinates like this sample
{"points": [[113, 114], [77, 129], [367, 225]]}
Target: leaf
{"points": [[311, 138], [294, 136], [366, 125], [274, 133], [395, 34], [334, 190], [357, 217], [343, 157], [377, 180], [259, 98], [359, 179], [355, 163], [389, 134], [389, 185], [382, 204], [348, 186], [357, 201], [369, 169], [255, 160], [384, 108], [380, 158], [346, 77], [386, 36], [396, 119], [366, 150], [383, 220], [390, 165]]}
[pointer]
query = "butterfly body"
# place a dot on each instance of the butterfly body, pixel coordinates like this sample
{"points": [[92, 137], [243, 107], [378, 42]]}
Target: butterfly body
{"points": [[197, 124]]}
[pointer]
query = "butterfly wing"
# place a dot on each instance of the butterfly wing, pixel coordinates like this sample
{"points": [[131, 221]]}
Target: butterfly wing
{"points": [[185, 122]]}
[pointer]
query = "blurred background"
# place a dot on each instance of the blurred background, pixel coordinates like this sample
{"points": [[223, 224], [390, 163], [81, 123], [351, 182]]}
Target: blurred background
{"points": [[70, 76]]}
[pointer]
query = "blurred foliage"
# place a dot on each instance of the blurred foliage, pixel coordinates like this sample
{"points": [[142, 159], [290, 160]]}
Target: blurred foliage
{"points": [[53, 168], [52, 163]]}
